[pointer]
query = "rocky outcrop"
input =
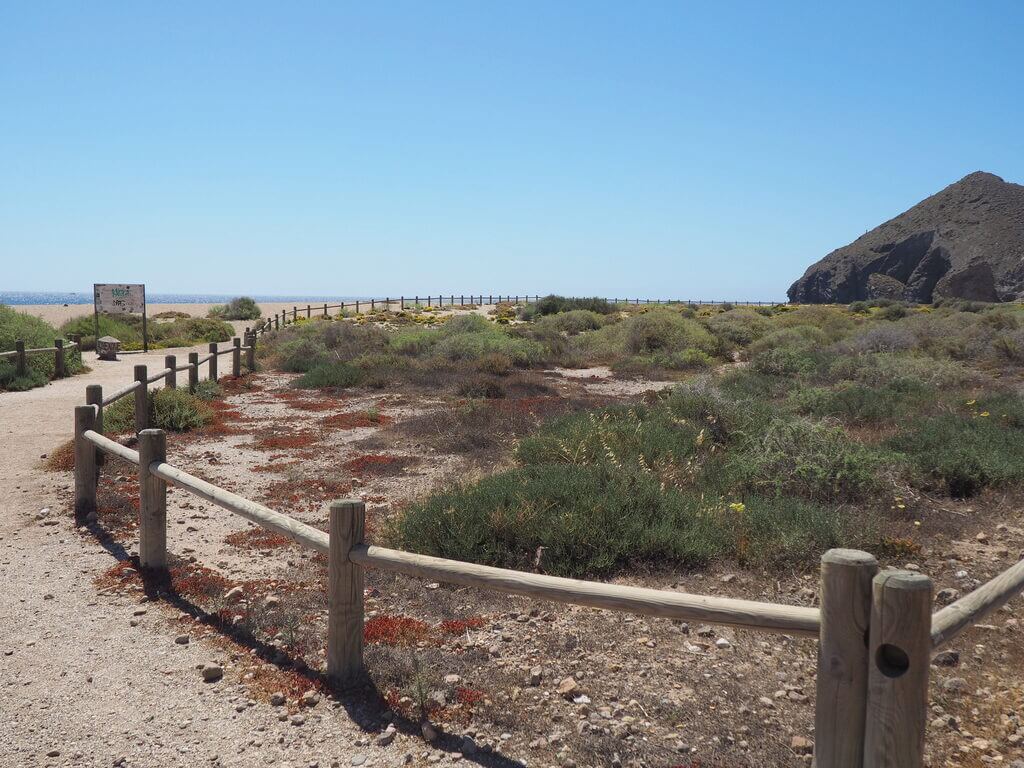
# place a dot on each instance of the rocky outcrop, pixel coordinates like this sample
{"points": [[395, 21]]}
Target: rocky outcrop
{"points": [[965, 242]]}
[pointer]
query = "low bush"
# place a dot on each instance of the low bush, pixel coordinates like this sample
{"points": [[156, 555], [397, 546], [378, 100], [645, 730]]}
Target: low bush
{"points": [[182, 332], [573, 520], [572, 322], [174, 410], [661, 332], [37, 334], [551, 305], [330, 375], [241, 308], [811, 459]]}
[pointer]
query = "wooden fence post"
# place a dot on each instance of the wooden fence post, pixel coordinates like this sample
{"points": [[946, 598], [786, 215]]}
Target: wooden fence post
{"points": [[20, 366], [236, 357], [213, 362], [846, 576], [58, 358], [152, 501], [250, 354], [171, 379], [899, 651], [277, 322], [141, 397], [193, 371], [345, 593], [325, 310], [309, 312], [85, 465], [94, 396]]}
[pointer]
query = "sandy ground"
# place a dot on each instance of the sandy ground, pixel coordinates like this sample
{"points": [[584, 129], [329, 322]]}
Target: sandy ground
{"points": [[57, 314]]}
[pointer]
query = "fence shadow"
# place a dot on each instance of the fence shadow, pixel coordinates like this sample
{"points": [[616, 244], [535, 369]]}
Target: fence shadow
{"points": [[364, 703]]}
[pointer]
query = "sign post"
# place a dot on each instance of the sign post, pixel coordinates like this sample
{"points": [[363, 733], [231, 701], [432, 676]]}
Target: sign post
{"points": [[120, 299]]}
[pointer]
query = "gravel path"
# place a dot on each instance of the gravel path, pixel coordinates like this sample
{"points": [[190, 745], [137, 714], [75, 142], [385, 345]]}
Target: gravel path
{"points": [[97, 679]]}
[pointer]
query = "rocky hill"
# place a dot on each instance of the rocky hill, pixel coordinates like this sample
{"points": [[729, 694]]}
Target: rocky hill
{"points": [[966, 241]]}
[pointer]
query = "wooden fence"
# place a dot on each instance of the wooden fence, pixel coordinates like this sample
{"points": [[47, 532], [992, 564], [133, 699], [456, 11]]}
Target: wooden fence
{"points": [[285, 316], [875, 628], [58, 350]]}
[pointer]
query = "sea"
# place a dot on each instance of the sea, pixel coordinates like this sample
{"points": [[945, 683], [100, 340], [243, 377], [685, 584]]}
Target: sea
{"points": [[60, 298]]}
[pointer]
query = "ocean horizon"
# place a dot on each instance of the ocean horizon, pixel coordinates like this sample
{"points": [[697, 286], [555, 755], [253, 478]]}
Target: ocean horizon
{"points": [[61, 297]]}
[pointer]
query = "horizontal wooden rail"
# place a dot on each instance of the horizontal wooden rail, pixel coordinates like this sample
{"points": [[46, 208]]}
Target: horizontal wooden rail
{"points": [[112, 447], [747, 614], [159, 375], [306, 535], [205, 359], [969, 609], [125, 390]]}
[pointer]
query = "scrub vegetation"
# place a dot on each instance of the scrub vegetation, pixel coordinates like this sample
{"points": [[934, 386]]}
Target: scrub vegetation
{"points": [[36, 333], [792, 428]]}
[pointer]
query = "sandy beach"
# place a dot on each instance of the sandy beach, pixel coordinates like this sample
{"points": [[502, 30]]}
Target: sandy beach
{"points": [[57, 314]]}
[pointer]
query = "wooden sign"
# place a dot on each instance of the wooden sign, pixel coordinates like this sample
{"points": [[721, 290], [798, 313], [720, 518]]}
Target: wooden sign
{"points": [[119, 299]]}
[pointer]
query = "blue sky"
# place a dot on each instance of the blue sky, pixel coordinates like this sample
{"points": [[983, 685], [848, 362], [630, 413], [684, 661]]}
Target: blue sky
{"points": [[655, 149]]}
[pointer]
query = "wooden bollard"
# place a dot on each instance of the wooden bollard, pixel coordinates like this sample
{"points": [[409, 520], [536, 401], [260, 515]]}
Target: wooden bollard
{"points": [[85, 465], [212, 375], [277, 323], [345, 593], [899, 650], [94, 397], [141, 399], [309, 311], [152, 501], [250, 354], [58, 358], [842, 680], [236, 357], [171, 379], [193, 371], [20, 365], [325, 310]]}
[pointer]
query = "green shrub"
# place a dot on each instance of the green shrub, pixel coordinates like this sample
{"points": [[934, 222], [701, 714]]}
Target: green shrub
{"points": [[182, 332], [659, 331], [786, 361], [174, 410], [298, 355], [207, 389], [326, 375], [979, 446], [241, 308], [37, 334], [739, 327], [571, 322], [810, 459], [551, 305]]}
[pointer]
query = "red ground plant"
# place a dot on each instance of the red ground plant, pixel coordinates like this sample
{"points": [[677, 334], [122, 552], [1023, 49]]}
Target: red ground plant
{"points": [[257, 538], [395, 630], [355, 420], [377, 464]]}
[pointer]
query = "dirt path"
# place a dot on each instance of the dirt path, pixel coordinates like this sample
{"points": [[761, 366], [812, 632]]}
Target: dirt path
{"points": [[88, 679]]}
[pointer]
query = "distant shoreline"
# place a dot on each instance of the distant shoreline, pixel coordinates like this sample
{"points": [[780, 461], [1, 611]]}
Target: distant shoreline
{"points": [[58, 298]]}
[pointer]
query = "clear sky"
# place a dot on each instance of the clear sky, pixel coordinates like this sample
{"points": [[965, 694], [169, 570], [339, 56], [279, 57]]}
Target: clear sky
{"points": [[670, 149]]}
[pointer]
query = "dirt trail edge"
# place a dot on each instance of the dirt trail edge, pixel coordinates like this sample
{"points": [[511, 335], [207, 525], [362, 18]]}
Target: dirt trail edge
{"points": [[89, 679]]}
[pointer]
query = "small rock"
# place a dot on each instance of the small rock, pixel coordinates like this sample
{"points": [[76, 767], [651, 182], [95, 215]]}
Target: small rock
{"points": [[801, 745], [358, 759], [982, 538], [234, 594], [452, 679], [468, 745], [946, 659], [954, 685], [536, 674], [947, 595], [387, 736], [428, 731], [182, 639], [705, 631], [212, 672], [297, 719], [567, 687], [722, 643], [277, 699]]}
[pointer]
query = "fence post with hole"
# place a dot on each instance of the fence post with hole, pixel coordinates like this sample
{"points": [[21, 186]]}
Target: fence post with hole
{"points": [[152, 501], [345, 593], [842, 679], [58, 358], [141, 397], [899, 652], [236, 357], [94, 397], [193, 371], [171, 379], [85, 465]]}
